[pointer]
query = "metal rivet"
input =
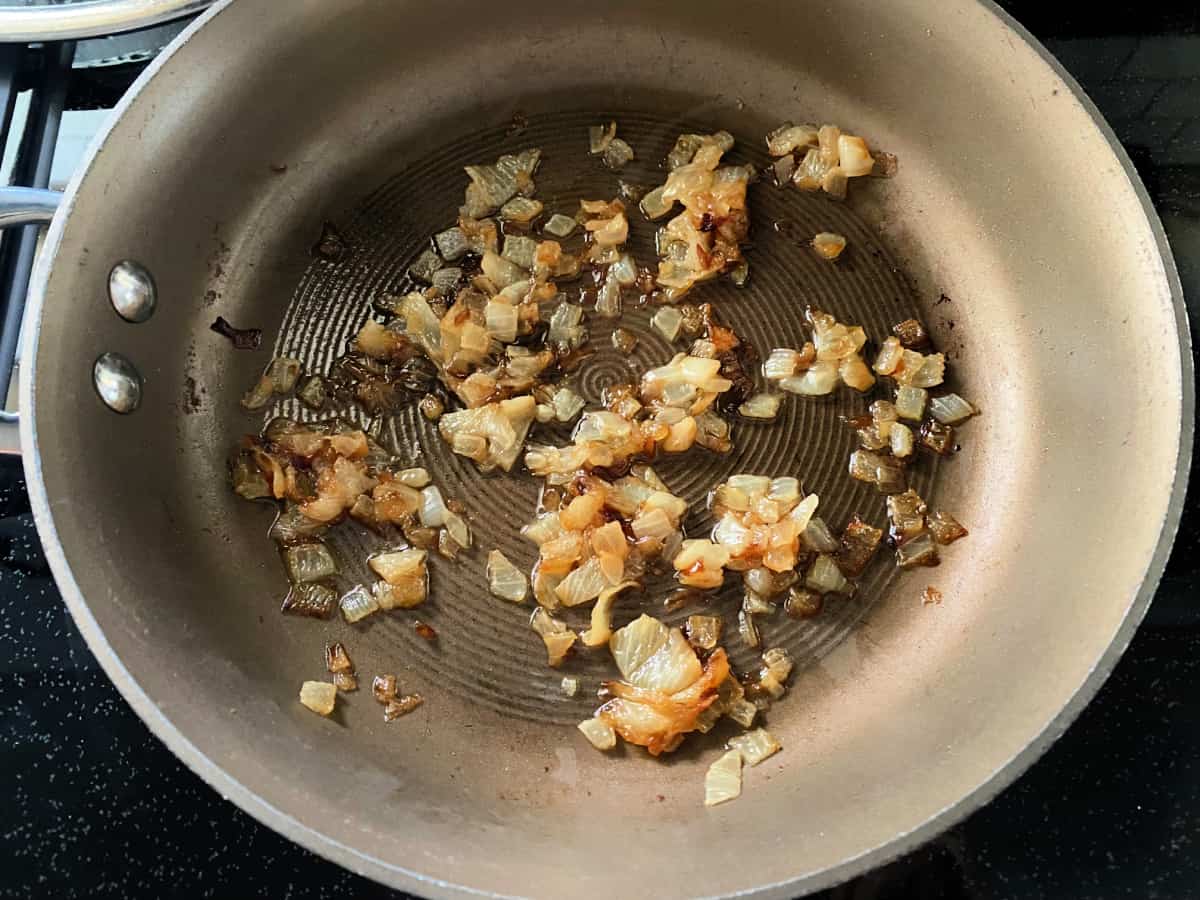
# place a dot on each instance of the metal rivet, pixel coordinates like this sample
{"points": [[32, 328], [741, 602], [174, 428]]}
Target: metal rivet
{"points": [[132, 292], [117, 382]]}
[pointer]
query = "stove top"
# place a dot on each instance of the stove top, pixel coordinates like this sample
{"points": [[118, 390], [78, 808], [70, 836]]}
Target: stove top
{"points": [[97, 807]]}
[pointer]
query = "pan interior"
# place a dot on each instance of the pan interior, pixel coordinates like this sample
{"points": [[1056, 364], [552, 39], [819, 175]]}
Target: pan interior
{"points": [[1059, 323], [486, 652]]}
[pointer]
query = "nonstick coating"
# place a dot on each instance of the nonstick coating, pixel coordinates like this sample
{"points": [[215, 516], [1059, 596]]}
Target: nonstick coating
{"points": [[1016, 229]]}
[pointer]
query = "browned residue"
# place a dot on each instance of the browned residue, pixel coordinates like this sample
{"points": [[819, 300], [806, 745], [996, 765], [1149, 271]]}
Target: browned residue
{"points": [[931, 595]]}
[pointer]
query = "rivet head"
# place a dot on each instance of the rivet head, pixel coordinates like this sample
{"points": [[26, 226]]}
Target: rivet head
{"points": [[117, 382], [132, 292]]}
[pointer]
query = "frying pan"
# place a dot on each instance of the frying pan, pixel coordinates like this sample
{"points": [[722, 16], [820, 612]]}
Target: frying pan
{"points": [[1016, 228]]}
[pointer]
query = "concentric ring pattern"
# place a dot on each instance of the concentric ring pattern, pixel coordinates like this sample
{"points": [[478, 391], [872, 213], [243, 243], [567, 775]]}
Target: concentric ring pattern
{"points": [[486, 652]]}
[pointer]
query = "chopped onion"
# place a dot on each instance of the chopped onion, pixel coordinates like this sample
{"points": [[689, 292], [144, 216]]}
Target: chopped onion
{"points": [[743, 712], [557, 637], [945, 528], [608, 299], [950, 409], [781, 363], [358, 603], [859, 543], [600, 136], [910, 402], [617, 154], [890, 355], [754, 604], [559, 226], [703, 632], [667, 322], [901, 439], [505, 580], [854, 157], [319, 696], [308, 562], [650, 655], [761, 406], [317, 601], [451, 244], [747, 630], [755, 746], [457, 528], [599, 733], [787, 138], [820, 379], [433, 507], [502, 320], [802, 603], [600, 631], [414, 478], [824, 576], [521, 210], [906, 512], [723, 780], [423, 267], [920, 551], [829, 245], [569, 685], [582, 584], [401, 706], [397, 565]]}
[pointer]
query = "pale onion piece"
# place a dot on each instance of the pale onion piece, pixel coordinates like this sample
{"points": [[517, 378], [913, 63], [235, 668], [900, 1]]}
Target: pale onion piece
{"points": [[565, 319], [421, 325], [818, 537], [319, 696], [599, 733], [779, 663], [398, 565], [855, 373], [544, 413], [889, 357], [931, 372], [377, 341], [761, 406], [582, 584], [617, 154], [505, 580], [784, 489], [787, 138], [600, 631], [569, 685], [667, 322], [824, 576], [920, 551], [625, 270], [723, 781], [308, 562], [544, 528], [910, 402], [610, 538], [457, 528], [883, 416], [600, 136], [652, 656], [754, 604], [358, 603], [747, 630], [567, 404], [581, 511], [608, 298], [610, 232], [864, 466], [559, 226], [522, 210], [413, 478], [634, 644], [755, 746], [472, 446], [743, 712], [433, 507], [500, 271], [726, 496], [829, 245], [901, 440], [451, 244], [501, 321], [951, 409], [557, 637], [682, 435], [704, 631], [854, 157], [655, 524], [700, 563], [783, 362], [753, 486], [818, 380]]}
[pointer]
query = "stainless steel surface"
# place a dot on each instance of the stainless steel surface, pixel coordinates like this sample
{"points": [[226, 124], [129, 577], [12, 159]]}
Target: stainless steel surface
{"points": [[27, 206], [1052, 257], [65, 22], [132, 292], [117, 382]]}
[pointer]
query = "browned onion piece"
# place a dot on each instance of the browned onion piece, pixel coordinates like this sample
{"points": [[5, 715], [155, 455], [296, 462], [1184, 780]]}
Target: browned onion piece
{"points": [[859, 543]]}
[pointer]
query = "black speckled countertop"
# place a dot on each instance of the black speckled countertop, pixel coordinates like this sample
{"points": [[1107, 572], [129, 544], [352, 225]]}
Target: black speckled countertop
{"points": [[95, 806]]}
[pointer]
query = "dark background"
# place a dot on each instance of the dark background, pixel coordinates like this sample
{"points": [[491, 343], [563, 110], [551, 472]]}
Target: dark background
{"points": [[94, 806]]}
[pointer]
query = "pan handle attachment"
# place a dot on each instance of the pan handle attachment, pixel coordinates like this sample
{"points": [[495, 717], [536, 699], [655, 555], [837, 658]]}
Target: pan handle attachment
{"points": [[92, 18], [21, 206]]}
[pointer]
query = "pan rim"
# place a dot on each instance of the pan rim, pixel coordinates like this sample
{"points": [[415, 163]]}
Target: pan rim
{"points": [[247, 799]]}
